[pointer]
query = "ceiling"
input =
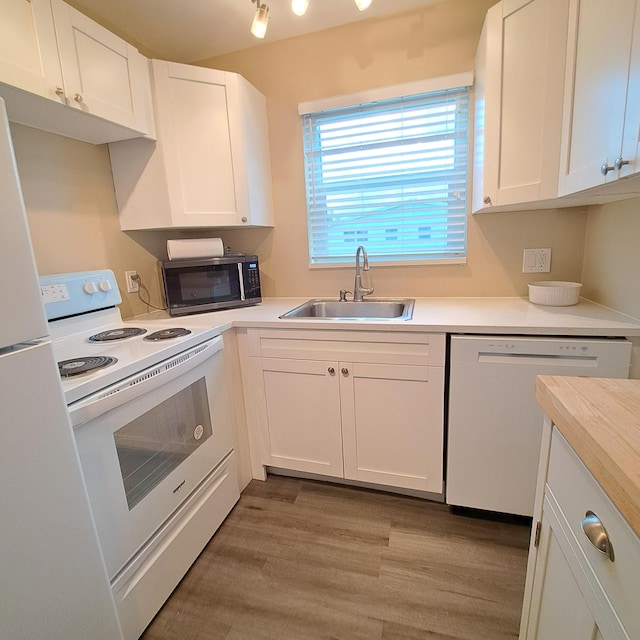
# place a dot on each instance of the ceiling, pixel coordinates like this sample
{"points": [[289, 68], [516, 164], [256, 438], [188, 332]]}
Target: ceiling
{"points": [[193, 30]]}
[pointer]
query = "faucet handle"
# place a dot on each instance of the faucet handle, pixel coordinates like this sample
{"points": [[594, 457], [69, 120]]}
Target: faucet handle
{"points": [[343, 295]]}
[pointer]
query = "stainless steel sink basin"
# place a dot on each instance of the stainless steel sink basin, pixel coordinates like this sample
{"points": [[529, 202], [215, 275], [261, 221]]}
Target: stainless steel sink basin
{"points": [[371, 309]]}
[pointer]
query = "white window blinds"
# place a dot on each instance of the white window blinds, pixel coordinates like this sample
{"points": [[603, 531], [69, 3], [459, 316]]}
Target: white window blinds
{"points": [[390, 175]]}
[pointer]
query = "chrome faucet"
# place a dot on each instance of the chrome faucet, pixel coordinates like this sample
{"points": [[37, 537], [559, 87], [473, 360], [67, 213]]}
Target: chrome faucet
{"points": [[358, 290]]}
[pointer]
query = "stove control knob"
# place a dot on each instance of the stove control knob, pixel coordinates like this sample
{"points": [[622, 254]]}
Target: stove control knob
{"points": [[105, 286], [90, 288]]}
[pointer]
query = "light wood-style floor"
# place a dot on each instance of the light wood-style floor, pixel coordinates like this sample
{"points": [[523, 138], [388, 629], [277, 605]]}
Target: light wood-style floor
{"points": [[303, 560]]}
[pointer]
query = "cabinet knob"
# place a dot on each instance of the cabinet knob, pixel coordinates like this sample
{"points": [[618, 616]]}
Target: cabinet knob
{"points": [[597, 534], [244, 218], [486, 200], [345, 371], [605, 168], [331, 371], [63, 98], [618, 163], [80, 101]]}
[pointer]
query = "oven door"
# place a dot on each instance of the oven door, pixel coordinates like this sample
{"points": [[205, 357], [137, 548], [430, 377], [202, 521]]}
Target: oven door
{"points": [[148, 442]]}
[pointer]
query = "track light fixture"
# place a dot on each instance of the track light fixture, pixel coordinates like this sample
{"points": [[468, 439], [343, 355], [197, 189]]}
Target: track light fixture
{"points": [[260, 19], [299, 7]]}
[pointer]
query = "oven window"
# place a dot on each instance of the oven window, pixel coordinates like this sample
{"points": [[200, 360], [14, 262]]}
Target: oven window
{"points": [[153, 445]]}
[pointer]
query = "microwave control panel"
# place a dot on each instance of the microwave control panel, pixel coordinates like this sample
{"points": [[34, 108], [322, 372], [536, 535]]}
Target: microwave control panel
{"points": [[251, 279]]}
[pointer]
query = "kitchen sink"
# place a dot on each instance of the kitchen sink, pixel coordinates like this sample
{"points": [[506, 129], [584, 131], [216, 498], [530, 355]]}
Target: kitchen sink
{"points": [[372, 309]]}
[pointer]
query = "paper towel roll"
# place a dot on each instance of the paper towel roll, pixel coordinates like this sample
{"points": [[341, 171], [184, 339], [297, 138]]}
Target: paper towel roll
{"points": [[195, 248]]}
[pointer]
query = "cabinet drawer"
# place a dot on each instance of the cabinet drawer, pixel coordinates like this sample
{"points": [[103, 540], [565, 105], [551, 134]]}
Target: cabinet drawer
{"points": [[576, 492], [427, 349]]}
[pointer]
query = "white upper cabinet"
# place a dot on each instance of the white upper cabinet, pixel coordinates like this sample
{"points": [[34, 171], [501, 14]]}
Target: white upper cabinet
{"points": [[210, 164], [557, 104], [602, 101], [28, 48], [97, 87], [103, 75], [519, 79]]}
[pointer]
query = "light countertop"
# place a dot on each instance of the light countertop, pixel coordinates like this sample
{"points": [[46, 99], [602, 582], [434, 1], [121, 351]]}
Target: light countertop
{"points": [[600, 419], [510, 316]]}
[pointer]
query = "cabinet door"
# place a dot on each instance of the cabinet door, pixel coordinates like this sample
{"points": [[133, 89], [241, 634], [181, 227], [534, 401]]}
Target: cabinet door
{"points": [[392, 421], [630, 153], [102, 73], [598, 61], [193, 124], [28, 49], [560, 610], [519, 102], [567, 601], [303, 415], [251, 158]]}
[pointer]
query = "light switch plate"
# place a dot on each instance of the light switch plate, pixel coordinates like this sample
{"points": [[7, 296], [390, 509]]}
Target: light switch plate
{"points": [[536, 261]]}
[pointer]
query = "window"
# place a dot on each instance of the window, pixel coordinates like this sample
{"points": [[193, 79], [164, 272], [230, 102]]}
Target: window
{"points": [[390, 174]]}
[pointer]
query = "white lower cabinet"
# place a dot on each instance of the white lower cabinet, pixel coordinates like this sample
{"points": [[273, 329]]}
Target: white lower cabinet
{"points": [[392, 424], [363, 406], [561, 609], [302, 405], [575, 591]]}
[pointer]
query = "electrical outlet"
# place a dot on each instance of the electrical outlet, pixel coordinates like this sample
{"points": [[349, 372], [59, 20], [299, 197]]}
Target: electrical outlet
{"points": [[132, 281], [536, 261]]}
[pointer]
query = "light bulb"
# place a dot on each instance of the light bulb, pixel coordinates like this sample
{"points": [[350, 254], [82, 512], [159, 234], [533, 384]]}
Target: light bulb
{"points": [[362, 4], [299, 7], [260, 21]]}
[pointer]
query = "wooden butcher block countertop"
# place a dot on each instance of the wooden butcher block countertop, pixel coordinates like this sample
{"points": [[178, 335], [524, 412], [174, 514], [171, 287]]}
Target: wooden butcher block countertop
{"points": [[600, 419]]}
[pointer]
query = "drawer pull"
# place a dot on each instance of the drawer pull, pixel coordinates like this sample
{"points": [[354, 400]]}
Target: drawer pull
{"points": [[597, 534]]}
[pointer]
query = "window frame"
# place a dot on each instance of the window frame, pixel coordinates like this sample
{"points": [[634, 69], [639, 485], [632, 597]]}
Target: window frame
{"points": [[431, 85]]}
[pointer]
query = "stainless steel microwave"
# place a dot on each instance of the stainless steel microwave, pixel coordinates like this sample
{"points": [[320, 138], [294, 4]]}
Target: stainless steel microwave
{"points": [[211, 284]]}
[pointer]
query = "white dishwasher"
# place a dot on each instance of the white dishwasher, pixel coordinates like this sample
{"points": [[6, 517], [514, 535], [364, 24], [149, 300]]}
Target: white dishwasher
{"points": [[495, 424]]}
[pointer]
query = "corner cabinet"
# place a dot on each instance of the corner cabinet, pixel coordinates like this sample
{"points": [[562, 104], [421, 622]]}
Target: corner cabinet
{"points": [[64, 73], [602, 95], [209, 166], [518, 103], [575, 591], [364, 406]]}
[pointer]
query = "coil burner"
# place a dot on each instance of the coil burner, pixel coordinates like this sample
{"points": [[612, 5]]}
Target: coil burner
{"points": [[117, 334], [167, 334], [80, 366]]}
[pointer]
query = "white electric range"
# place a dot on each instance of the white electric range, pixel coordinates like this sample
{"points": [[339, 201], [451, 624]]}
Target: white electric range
{"points": [[150, 415]]}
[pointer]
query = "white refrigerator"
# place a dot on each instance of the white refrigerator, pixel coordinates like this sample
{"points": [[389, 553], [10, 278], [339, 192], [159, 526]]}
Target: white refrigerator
{"points": [[53, 583]]}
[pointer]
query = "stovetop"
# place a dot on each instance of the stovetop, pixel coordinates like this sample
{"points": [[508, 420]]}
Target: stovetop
{"points": [[70, 334]]}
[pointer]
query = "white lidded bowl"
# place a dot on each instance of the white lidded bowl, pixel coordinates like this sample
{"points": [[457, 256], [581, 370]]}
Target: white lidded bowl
{"points": [[554, 293]]}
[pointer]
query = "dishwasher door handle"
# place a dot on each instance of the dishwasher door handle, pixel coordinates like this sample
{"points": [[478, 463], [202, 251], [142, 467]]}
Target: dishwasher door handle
{"points": [[544, 360]]}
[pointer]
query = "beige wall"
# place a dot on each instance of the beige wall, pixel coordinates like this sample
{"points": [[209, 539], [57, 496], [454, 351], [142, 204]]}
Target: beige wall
{"points": [[70, 202], [441, 39], [72, 211], [611, 273]]}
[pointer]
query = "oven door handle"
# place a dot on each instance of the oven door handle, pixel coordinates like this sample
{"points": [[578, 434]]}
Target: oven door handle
{"points": [[134, 386]]}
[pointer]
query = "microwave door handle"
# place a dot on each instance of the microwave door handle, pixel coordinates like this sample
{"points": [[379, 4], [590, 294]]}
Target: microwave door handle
{"points": [[241, 280]]}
